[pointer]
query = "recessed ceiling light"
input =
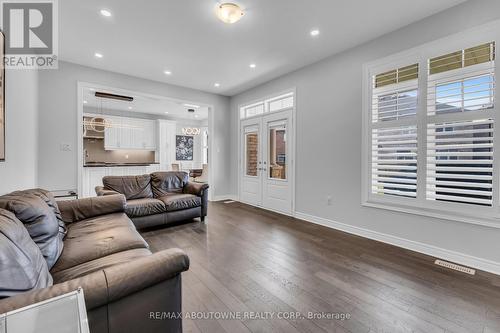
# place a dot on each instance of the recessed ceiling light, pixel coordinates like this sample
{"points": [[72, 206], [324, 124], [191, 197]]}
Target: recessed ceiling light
{"points": [[130, 108], [229, 12], [253, 65], [167, 72], [314, 32], [105, 12], [191, 105], [216, 85], [98, 55], [85, 102], [166, 112], [196, 116]]}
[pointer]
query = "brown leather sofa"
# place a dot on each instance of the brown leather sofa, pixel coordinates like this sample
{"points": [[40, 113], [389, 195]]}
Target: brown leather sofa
{"points": [[48, 249], [160, 198]]}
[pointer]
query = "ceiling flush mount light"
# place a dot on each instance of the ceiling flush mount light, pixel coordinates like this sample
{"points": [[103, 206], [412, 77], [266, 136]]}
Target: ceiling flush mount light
{"points": [[98, 55], [166, 112], [253, 65], [229, 12], [105, 12], [167, 72], [216, 85], [130, 108], [314, 32]]}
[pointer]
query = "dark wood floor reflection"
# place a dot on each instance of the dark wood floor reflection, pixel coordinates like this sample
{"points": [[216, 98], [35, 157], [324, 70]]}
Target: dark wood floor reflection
{"points": [[248, 261]]}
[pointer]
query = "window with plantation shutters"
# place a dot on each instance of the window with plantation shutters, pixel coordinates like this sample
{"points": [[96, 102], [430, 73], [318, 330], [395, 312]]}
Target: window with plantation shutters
{"points": [[430, 119], [394, 132], [460, 130]]}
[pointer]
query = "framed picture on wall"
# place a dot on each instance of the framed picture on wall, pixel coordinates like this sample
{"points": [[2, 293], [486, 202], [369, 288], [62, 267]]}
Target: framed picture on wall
{"points": [[184, 148], [2, 97]]}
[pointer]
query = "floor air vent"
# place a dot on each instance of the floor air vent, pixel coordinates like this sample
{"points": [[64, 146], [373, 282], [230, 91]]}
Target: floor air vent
{"points": [[455, 267]]}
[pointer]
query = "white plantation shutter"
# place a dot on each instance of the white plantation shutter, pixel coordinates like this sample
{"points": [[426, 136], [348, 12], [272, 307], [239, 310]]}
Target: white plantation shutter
{"points": [[394, 161], [460, 150], [462, 81], [460, 161], [394, 142]]}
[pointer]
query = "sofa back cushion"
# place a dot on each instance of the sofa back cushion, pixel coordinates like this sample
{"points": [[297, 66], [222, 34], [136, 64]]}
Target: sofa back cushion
{"points": [[23, 266], [132, 187], [39, 219], [167, 182], [49, 199]]}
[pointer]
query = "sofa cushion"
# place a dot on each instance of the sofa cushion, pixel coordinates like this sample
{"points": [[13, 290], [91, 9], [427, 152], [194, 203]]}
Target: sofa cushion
{"points": [[49, 199], [23, 266], [98, 237], [175, 202], [164, 183], [40, 221], [133, 187], [144, 207], [98, 264]]}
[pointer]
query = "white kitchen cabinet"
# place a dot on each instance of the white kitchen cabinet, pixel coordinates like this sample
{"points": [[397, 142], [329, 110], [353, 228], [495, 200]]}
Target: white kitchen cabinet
{"points": [[112, 134], [130, 133], [153, 168], [150, 135], [92, 177], [166, 144]]}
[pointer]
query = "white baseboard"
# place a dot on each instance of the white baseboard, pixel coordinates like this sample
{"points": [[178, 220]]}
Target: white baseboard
{"points": [[431, 250], [224, 197]]}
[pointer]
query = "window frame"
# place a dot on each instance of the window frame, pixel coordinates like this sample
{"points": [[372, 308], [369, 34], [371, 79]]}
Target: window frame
{"points": [[489, 216]]}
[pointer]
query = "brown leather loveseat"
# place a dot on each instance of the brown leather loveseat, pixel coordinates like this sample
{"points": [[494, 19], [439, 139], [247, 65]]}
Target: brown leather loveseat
{"points": [[160, 198], [50, 248]]}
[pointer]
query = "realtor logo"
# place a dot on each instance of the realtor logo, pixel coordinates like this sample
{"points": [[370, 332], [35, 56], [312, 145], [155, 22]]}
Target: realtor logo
{"points": [[30, 30]]}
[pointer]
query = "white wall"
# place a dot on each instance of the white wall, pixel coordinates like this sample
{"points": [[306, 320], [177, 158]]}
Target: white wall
{"points": [[21, 97], [58, 118], [329, 110]]}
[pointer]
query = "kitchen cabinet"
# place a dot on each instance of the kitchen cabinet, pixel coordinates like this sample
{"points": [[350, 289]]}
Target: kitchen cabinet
{"points": [[92, 177], [166, 145], [130, 133]]}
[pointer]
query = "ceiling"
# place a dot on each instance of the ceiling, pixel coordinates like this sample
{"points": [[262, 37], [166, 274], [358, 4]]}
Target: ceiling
{"points": [[143, 104], [144, 39]]}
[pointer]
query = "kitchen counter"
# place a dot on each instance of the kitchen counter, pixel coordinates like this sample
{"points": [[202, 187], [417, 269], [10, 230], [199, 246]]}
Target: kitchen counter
{"points": [[110, 165]]}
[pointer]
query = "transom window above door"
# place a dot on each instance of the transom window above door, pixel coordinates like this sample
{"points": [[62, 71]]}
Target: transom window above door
{"points": [[274, 104]]}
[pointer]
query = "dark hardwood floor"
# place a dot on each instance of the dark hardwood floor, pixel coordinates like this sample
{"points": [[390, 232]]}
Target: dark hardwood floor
{"points": [[247, 260]]}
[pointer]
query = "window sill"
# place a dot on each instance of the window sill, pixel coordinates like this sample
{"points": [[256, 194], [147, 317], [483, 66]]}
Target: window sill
{"points": [[438, 214]]}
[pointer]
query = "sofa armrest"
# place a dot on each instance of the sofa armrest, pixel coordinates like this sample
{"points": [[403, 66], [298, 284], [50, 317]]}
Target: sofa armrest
{"points": [[80, 209], [201, 190], [101, 191], [110, 284], [195, 188], [134, 276]]}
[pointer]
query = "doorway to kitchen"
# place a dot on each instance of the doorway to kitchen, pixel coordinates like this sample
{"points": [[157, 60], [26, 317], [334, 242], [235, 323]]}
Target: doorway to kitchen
{"points": [[124, 132]]}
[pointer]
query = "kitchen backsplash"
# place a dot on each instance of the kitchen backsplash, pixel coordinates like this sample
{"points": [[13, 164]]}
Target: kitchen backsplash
{"points": [[95, 152]]}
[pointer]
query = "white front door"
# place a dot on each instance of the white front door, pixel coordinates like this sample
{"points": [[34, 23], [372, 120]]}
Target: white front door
{"points": [[266, 161]]}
